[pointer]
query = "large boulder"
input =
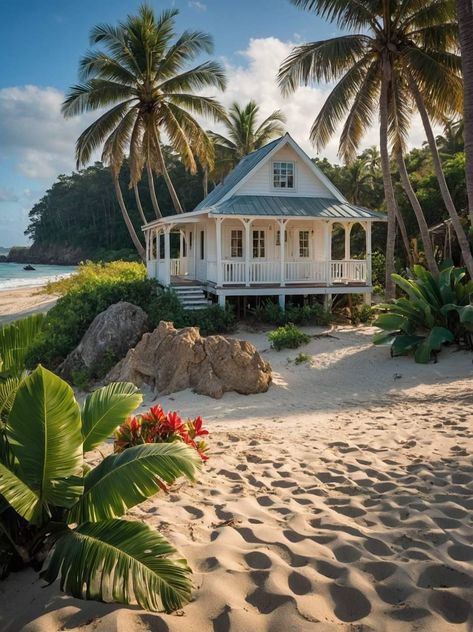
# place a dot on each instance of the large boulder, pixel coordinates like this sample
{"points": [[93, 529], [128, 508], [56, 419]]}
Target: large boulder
{"points": [[171, 360], [110, 335]]}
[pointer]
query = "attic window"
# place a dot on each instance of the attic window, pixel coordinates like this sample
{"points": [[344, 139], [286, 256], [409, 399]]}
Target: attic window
{"points": [[283, 175]]}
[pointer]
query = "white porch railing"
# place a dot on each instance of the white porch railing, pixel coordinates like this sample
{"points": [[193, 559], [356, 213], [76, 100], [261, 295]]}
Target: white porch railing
{"points": [[265, 272], [234, 272], [353, 271], [311, 271], [178, 267]]}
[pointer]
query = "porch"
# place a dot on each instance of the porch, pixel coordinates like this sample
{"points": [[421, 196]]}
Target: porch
{"points": [[234, 252]]}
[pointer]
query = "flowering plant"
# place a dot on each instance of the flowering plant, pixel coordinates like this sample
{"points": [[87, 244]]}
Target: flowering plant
{"points": [[156, 426]]}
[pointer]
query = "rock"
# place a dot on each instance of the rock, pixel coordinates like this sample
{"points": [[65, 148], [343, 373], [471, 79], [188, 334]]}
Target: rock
{"points": [[171, 360], [110, 335]]}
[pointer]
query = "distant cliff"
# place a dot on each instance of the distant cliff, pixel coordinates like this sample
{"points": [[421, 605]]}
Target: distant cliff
{"points": [[52, 254]]}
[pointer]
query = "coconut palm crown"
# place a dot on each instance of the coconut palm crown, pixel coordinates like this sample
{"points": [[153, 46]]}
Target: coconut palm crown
{"points": [[143, 81], [244, 134]]}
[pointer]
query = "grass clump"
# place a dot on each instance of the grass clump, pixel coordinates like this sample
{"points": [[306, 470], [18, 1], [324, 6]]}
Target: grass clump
{"points": [[287, 337], [303, 358]]}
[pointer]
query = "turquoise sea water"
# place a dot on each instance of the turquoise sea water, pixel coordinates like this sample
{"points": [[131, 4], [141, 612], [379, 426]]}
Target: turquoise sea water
{"points": [[12, 275]]}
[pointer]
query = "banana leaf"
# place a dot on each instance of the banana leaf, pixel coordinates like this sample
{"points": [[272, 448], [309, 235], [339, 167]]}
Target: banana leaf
{"points": [[433, 342]]}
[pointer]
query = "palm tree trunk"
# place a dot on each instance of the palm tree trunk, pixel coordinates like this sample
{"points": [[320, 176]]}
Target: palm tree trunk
{"points": [[387, 181], [423, 228], [128, 222], [138, 204], [152, 191], [404, 236], [465, 26], [205, 182], [447, 198], [165, 174]]}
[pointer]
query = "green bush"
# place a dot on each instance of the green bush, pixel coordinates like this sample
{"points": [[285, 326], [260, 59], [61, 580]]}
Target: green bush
{"points": [[303, 358], [315, 314], [211, 320], [363, 314], [287, 337], [378, 268], [91, 274], [70, 318]]}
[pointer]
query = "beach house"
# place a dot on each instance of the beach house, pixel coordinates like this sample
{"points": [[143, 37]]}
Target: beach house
{"points": [[266, 230]]}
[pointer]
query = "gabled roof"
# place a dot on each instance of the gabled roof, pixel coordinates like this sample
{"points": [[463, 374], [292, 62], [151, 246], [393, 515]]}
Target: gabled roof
{"points": [[285, 206], [242, 169]]}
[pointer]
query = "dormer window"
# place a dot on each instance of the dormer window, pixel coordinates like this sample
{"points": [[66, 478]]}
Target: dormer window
{"points": [[283, 175]]}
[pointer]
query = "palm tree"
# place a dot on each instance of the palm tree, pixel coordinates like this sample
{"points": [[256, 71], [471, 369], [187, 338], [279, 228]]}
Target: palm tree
{"points": [[451, 141], [143, 80], [243, 135], [465, 27], [405, 42]]}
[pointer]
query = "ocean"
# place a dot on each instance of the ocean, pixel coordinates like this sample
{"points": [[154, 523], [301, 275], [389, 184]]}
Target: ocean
{"points": [[13, 276]]}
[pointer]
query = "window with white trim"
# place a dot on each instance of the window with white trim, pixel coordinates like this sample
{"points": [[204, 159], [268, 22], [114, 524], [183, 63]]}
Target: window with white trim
{"points": [[236, 244], [304, 244], [258, 244], [283, 175]]}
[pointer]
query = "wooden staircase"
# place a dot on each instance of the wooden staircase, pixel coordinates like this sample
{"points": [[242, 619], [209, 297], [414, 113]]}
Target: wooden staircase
{"points": [[191, 296]]}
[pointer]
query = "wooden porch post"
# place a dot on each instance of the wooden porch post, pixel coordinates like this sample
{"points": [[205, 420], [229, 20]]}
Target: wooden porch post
{"points": [[348, 228], [368, 253], [247, 223], [219, 252], [194, 250], [328, 252], [167, 255], [282, 249]]}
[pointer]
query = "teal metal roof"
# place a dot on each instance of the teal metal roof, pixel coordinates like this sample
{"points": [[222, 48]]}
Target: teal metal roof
{"points": [[244, 167], [288, 206]]}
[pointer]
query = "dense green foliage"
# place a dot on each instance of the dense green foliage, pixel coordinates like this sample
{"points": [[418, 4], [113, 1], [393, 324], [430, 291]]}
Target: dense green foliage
{"points": [[287, 337], [52, 502], [432, 312], [80, 210], [314, 314]]}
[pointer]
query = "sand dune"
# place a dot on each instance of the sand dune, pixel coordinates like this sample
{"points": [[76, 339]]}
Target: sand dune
{"points": [[341, 500]]}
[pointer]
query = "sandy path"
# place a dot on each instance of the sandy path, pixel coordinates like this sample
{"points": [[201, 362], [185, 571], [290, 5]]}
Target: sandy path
{"points": [[23, 302], [341, 500]]}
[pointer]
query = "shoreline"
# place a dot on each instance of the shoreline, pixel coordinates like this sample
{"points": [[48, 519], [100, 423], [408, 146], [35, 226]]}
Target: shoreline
{"points": [[24, 301]]}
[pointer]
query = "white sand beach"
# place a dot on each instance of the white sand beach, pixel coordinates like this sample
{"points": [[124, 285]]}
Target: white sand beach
{"points": [[23, 302], [340, 500]]}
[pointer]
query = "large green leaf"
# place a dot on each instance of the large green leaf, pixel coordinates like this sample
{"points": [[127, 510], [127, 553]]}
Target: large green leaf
{"points": [[123, 480], [18, 495], [390, 321], [436, 338], [16, 339], [8, 388], [403, 344], [119, 561], [105, 409], [44, 433]]}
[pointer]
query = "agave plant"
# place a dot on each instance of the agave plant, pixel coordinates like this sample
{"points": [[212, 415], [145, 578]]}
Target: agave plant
{"points": [[57, 512], [434, 311]]}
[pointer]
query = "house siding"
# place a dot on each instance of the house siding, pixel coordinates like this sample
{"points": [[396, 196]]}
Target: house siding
{"points": [[307, 183]]}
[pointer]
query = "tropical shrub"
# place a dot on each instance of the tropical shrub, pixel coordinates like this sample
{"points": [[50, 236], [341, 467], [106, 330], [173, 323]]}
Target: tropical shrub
{"points": [[54, 506], [303, 358], [89, 274], [156, 426], [315, 314], [434, 311], [287, 337]]}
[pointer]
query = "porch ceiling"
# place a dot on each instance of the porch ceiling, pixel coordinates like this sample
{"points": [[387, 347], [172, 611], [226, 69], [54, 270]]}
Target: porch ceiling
{"points": [[288, 206]]}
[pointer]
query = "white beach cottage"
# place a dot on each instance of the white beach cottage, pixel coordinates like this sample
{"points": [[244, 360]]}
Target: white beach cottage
{"points": [[266, 230]]}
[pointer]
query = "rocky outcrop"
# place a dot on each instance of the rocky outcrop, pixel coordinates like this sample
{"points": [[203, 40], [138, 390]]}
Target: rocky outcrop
{"points": [[51, 253], [108, 338], [171, 360]]}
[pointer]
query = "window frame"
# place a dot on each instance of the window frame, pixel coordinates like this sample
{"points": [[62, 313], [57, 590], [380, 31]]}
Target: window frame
{"points": [[286, 175], [258, 248], [304, 247], [239, 243]]}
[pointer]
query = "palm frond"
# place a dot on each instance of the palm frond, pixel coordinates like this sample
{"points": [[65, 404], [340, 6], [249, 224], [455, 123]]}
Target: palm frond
{"points": [[188, 46], [207, 74], [105, 409], [99, 65], [198, 104], [8, 388], [120, 561], [16, 339], [325, 60], [346, 13], [115, 146], [94, 94], [124, 480]]}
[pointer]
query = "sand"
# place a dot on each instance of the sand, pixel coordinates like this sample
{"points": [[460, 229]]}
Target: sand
{"points": [[23, 302], [341, 500]]}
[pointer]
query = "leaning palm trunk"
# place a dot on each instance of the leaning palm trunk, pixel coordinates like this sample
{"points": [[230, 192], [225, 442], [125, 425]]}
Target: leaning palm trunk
{"points": [[152, 191], [131, 229], [387, 181], [447, 198], [165, 174], [404, 236], [423, 228], [465, 27], [138, 203]]}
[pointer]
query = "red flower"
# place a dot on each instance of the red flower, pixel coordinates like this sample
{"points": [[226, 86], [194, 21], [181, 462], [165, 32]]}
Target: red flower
{"points": [[199, 431], [173, 422]]}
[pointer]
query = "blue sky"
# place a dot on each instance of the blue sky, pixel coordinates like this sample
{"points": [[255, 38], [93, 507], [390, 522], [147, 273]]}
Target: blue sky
{"points": [[41, 42]]}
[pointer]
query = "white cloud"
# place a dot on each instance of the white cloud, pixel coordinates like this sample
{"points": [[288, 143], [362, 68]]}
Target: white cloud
{"points": [[34, 134], [256, 79], [195, 4], [8, 195]]}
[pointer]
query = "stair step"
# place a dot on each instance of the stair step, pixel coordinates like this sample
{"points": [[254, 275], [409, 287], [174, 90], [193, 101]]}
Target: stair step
{"points": [[191, 296]]}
